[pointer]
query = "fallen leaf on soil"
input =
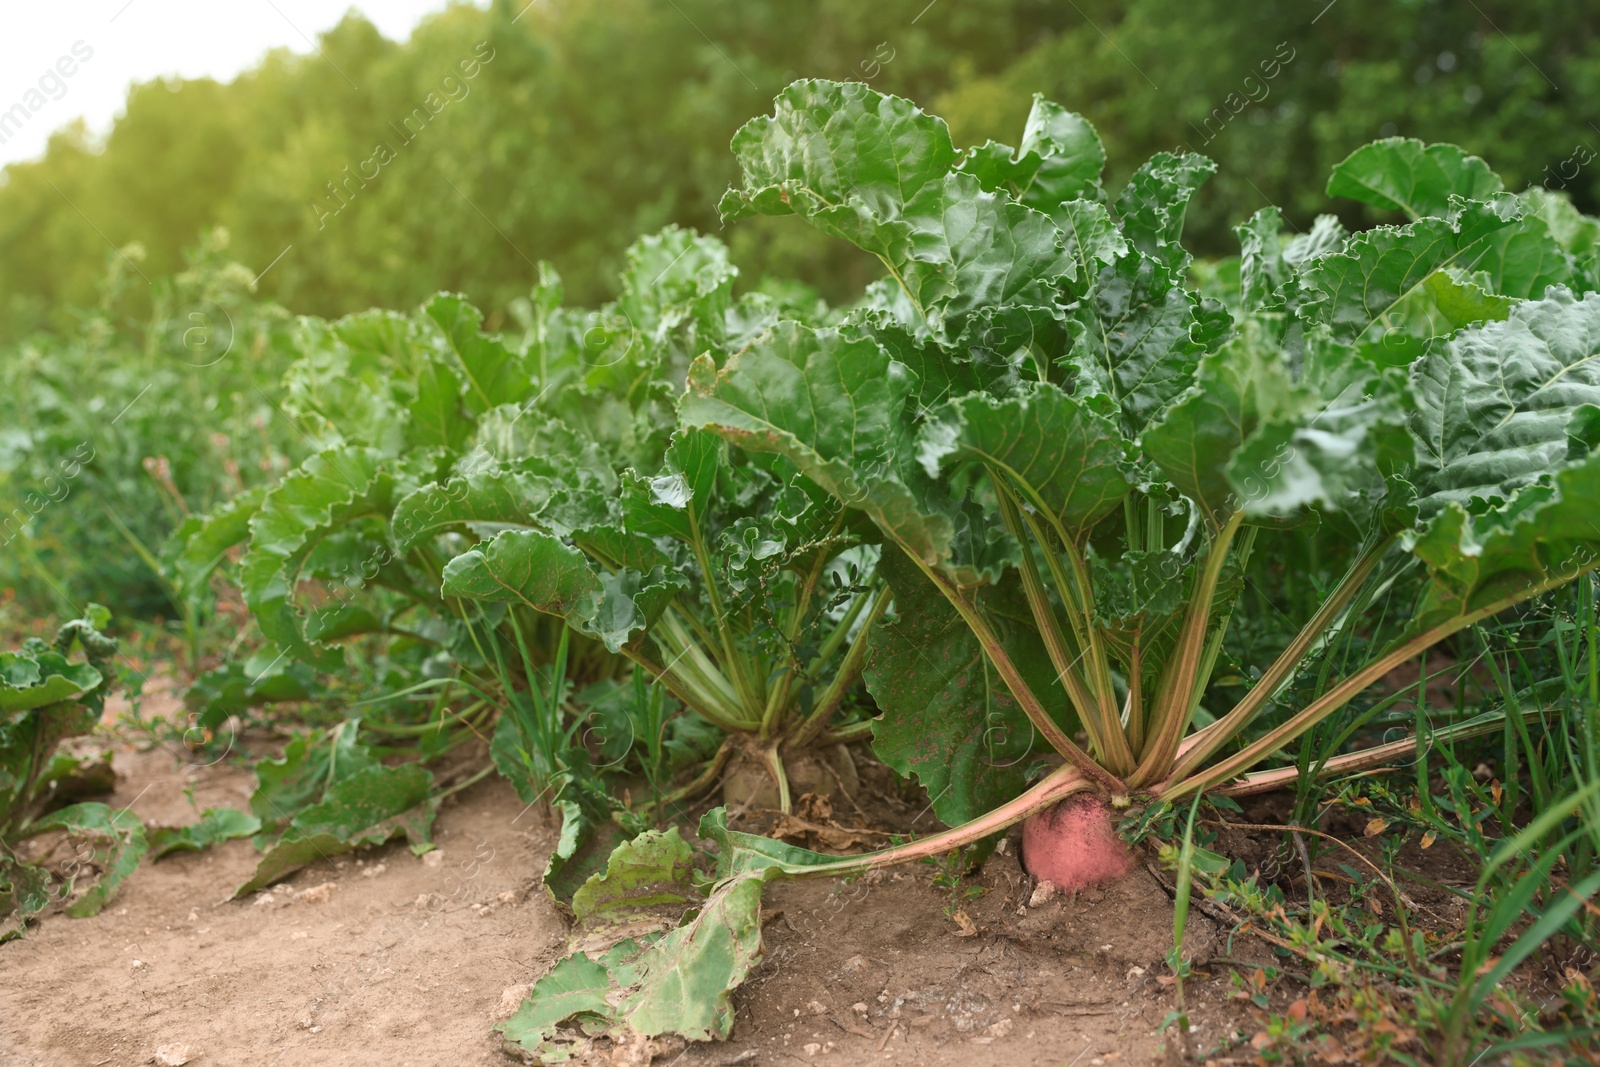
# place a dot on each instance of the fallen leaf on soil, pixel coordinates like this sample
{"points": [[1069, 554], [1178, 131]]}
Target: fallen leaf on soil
{"points": [[829, 834], [1043, 893], [964, 921]]}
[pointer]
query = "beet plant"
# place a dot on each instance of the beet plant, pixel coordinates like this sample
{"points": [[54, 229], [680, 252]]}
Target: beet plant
{"points": [[494, 530], [46, 697], [1068, 456]]}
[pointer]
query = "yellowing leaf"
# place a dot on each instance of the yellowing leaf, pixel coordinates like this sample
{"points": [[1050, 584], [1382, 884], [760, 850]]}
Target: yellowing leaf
{"points": [[1376, 827]]}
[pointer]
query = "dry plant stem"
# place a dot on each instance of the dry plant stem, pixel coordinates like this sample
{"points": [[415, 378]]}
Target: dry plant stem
{"points": [[1059, 784], [1353, 762]]}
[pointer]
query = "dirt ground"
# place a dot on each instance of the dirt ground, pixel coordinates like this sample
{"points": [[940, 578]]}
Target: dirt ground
{"points": [[387, 958]]}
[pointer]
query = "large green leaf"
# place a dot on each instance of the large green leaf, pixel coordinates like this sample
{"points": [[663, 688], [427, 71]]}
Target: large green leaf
{"points": [[680, 982], [1065, 459], [493, 374], [1092, 239], [328, 489], [1494, 402], [1523, 260], [1132, 339], [214, 825], [437, 417], [675, 278], [834, 404], [1403, 174], [369, 807], [1153, 204], [642, 876], [674, 502], [200, 545], [946, 716], [120, 845], [1236, 389], [490, 498], [844, 157], [310, 765], [1540, 537], [1060, 159], [1261, 266], [588, 836], [30, 680], [970, 250], [1351, 290], [536, 569]]}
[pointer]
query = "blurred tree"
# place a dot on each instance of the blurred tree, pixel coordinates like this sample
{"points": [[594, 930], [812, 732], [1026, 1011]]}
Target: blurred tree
{"points": [[383, 171]]}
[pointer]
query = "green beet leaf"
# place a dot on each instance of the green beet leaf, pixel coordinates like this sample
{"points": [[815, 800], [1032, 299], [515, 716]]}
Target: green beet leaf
{"points": [[1403, 174]]}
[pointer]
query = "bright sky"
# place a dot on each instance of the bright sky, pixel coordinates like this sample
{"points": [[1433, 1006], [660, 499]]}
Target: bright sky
{"points": [[128, 41]]}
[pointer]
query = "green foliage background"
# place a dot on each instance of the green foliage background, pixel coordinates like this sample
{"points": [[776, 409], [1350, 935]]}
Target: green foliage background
{"points": [[598, 120]]}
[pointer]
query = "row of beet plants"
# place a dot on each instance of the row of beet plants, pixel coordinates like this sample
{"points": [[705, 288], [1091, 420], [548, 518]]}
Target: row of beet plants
{"points": [[995, 515]]}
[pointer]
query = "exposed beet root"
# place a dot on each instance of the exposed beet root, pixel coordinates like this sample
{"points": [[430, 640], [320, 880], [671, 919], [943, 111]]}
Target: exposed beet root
{"points": [[748, 782], [1073, 844]]}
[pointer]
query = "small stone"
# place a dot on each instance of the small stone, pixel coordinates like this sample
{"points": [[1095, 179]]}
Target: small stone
{"points": [[194, 916], [375, 870], [511, 998], [434, 858], [171, 1055], [138, 964], [318, 894], [1001, 1028], [508, 897], [1135, 972], [816, 1007], [812, 1048], [859, 1007], [1043, 893], [299, 935]]}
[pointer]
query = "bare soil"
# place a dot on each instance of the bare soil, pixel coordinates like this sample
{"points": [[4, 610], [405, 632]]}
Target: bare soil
{"points": [[387, 958]]}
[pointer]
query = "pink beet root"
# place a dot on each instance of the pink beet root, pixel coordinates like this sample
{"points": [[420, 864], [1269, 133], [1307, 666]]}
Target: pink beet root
{"points": [[1073, 845]]}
